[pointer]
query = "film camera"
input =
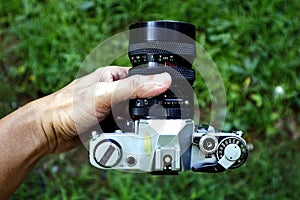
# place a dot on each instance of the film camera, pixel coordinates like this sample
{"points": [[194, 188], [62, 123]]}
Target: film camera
{"points": [[161, 137]]}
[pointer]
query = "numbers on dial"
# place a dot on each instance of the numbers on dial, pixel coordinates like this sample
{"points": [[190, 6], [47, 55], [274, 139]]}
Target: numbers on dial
{"points": [[233, 140]]}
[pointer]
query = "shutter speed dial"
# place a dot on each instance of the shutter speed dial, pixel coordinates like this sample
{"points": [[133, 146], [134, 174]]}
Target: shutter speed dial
{"points": [[227, 147]]}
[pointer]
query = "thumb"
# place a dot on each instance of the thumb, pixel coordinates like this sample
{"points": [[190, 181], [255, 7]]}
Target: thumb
{"points": [[139, 86]]}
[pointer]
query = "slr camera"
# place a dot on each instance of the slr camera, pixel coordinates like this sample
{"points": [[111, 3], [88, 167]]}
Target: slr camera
{"points": [[161, 137]]}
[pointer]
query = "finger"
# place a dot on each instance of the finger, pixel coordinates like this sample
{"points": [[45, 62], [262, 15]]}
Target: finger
{"points": [[122, 73], [139, 86], [103, 74], [111, 94], [114, 73]]}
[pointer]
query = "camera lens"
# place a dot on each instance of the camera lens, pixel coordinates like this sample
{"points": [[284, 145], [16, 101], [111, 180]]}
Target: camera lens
{"points": [[163, 46]]}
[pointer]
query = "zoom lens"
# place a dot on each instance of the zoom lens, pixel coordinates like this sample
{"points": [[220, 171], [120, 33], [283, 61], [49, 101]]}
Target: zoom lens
{"points": [[164, 46]]}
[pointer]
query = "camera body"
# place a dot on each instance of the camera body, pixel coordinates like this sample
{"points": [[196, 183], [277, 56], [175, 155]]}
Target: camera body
{"points": [[160, 137], [168, 147]]}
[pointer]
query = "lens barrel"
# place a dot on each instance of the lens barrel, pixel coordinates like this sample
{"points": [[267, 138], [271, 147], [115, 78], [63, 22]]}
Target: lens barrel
{"points": [[163, 46]]}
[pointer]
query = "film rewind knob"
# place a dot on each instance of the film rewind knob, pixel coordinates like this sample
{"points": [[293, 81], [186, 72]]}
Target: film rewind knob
{"points": [[108, 153]]}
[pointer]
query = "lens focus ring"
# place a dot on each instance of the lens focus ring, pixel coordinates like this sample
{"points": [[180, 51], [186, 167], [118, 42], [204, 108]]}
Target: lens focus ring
{"points": [[177, 73], [162, 47]]}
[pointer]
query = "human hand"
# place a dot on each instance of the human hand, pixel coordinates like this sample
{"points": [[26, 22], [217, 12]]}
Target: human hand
{"points": [[73, 110]]}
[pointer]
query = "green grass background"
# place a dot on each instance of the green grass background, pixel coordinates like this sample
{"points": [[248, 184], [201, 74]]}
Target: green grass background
{"points": [[255, 44]]}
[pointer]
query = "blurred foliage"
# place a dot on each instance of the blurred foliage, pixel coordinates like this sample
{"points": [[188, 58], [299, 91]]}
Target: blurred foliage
{"points": [[255, 44], [68, 177]]}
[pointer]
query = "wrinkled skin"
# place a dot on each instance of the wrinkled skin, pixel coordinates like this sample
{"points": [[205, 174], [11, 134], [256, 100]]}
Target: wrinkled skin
{"points": [[55, 123]]}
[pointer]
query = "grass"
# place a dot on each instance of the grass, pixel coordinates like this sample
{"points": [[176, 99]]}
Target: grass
{"points": [[271, 172], [255, 45]]}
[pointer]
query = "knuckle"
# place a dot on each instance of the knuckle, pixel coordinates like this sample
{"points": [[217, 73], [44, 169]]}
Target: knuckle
{"points": [[136, 84], [136, 81]]}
